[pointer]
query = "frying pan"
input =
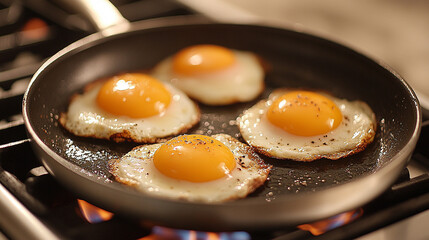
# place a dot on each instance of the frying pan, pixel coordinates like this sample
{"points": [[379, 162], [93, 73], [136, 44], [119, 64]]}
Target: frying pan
{"points": [[296, 192]]}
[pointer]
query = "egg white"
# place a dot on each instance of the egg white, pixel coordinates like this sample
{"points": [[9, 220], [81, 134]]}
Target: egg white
{"points": [[242, 82], [355, 132], [137, 169], [85, 118]]}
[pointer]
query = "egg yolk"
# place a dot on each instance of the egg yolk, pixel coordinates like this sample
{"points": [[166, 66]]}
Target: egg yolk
{"points": [[304, 113], [202, 59], [134, 95], [194, 158]]}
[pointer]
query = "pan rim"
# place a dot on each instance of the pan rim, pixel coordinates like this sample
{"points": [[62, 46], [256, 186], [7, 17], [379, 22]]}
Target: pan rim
{"points": [[396, 163]]}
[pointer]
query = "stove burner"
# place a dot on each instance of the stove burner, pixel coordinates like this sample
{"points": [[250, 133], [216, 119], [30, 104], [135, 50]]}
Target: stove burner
{"points": [[320, 227]]}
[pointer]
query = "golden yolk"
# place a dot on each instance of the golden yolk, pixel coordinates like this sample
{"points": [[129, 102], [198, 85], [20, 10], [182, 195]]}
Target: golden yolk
{"points": [[194, 158], [134, 95], [202, 59], [304, 113]]}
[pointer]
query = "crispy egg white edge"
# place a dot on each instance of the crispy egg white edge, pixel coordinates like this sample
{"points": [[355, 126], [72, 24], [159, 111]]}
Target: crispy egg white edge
{"points": [[274, 144], [140, 172], [242, 82], [85, 118]]}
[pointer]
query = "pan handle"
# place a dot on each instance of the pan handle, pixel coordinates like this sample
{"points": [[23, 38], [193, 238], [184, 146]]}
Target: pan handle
{"points": [[102, 14]]}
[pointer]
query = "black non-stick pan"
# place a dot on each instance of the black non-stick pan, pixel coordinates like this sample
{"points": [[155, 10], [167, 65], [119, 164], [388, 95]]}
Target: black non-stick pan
{"points": [[296, 192]]}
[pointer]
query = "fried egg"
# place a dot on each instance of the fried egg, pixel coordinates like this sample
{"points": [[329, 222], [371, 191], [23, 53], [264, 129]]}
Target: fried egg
{"points": [[195, 168], [130, 107], [305, 126], [213, 75]]}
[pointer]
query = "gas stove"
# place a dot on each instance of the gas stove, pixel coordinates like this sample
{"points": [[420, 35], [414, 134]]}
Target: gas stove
{"points": [[33, 205]]}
